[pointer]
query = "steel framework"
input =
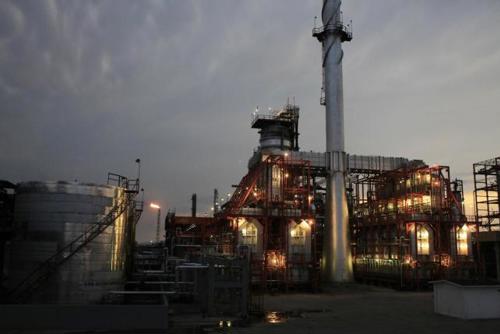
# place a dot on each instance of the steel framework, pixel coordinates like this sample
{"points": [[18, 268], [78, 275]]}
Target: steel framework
{"points": [[486, 193], [275, 192], [390, 211]]}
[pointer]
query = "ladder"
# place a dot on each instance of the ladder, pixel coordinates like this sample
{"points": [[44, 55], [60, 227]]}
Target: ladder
{"points": [[25, 289]]}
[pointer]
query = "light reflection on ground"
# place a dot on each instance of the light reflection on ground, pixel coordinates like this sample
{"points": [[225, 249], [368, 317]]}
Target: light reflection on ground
{"points": [[275, 317]]}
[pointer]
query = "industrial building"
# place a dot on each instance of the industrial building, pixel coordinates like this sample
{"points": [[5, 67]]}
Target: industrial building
{"points": [[310, 218], [408, 226], [296, 220], [406, 219]]}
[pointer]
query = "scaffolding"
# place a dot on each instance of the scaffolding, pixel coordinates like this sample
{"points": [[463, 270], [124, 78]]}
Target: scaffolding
{"points": [[408, 226], [486, 193]]}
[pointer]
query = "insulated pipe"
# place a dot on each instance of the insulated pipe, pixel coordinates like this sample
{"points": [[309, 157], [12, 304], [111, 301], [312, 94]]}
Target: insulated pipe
{"points": [[337, 261]]}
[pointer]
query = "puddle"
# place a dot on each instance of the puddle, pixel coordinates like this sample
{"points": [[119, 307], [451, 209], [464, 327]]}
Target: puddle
{"points": [[276, 317]]}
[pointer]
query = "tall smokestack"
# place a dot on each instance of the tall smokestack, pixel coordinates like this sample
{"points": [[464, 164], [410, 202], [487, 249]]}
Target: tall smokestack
{"points": [[193, 205], [216, 201], [336, 264]]}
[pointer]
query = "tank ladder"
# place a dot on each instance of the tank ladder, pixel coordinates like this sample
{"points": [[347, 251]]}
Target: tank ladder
{"points": [[25, 289]]}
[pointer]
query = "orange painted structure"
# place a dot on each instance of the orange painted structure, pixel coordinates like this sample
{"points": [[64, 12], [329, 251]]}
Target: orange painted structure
{"points": [[270, 217], [408, 227]]}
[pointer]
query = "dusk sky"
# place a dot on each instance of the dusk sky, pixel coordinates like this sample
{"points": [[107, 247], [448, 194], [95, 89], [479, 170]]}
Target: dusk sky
{"points": [[86, 87]]}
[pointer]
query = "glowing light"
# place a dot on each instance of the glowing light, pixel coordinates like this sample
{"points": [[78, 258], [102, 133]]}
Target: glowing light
{"points": [[445, 260], [154, 206], [426, 200], [462, 241], [422, 241], [286, 175], [249, 235], [275, 318], [276, 259]]}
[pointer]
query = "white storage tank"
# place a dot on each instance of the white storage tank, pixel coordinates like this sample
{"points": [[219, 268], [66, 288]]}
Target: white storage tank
{"points": [[48, 216]]}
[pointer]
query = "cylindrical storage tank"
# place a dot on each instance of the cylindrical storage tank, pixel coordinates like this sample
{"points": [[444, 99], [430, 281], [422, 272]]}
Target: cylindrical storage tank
{"points": [[48, 216]]}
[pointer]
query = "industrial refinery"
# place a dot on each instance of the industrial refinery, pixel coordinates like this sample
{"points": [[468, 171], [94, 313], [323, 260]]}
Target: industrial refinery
{"points": [[298, 236]]}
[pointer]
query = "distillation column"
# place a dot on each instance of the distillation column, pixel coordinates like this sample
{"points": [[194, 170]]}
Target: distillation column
{"points": [[336, 265]]}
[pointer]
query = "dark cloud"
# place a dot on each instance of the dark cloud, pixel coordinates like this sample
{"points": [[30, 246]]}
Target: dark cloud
{"points": [[88, 86]]}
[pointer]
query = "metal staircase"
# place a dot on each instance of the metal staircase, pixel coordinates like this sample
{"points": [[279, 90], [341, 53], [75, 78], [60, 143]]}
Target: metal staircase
{"points": [[244, 188], [25, 289]]}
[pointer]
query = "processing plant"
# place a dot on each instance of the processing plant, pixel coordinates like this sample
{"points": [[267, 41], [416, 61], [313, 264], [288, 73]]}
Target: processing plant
{"points": [[406, 219], [310, 218], [296, 219]]}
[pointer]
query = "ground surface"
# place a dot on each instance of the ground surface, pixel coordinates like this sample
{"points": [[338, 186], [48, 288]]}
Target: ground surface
{"points": [[358, 309], [363, 309]]}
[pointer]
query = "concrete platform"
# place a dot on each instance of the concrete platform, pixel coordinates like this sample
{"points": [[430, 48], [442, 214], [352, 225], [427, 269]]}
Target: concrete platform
{"points": [[352, 310], [363, 309], [83, 318]]}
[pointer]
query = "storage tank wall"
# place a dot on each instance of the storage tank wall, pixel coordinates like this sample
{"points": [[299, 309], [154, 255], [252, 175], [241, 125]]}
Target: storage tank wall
{"points": [[49, 215]]}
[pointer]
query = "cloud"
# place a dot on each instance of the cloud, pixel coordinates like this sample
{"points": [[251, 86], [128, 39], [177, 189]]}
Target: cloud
{"points": [[11, 22], [88, 86]]}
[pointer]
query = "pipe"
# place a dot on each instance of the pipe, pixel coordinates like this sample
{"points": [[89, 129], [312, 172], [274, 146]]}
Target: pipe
{"points": [[337, 261]]}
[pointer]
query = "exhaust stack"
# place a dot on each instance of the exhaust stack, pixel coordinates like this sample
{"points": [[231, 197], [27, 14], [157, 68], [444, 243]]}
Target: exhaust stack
{"points": [[336, 266]]}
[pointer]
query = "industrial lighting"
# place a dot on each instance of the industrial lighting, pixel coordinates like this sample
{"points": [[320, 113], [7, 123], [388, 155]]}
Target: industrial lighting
{"points": [[422, 241], [157, 207], [462, 242]]}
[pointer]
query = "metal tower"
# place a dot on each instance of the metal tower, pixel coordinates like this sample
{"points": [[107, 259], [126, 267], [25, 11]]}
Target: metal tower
{"points": [[336, 263]]}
